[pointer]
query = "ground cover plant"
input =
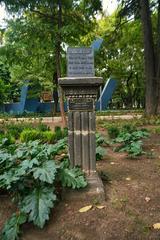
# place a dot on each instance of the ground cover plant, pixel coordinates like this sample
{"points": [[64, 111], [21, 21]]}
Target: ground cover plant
{"points": [[100, 150], [25, 132], [33, 173], [31, 176], [132, 197], [131, 142], [129, 138], [15, 129]]}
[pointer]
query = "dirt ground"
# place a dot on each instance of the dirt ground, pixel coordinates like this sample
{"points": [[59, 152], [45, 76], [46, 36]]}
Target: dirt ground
{"points": [[131, 208]]}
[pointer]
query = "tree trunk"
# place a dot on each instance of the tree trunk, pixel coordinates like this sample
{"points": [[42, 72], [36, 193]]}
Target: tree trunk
{"points": [[58, 61], [149, 58], [158, 62]]}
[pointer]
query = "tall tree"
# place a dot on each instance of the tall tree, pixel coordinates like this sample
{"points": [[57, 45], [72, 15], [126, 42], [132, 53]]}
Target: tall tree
{"points": [[67, 19], [144, 10]]}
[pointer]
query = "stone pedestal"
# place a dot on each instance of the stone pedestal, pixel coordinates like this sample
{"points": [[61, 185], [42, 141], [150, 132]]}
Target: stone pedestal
{"points": [[81, 93]]}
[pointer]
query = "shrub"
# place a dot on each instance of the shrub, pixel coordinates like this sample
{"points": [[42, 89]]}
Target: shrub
{"points": [[2, 132], [30, 174], [65, 132], [7, 140], [131, 142], [100, 152], [113, 131], [99, 140], [43, 127], [16, 129], [157, 130], [128, 128], [30, 135], [1, 136], [58, 133], [48, 136]]}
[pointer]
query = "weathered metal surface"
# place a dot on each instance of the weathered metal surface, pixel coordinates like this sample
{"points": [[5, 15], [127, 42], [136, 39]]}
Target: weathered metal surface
{"points": [[80, 104]]}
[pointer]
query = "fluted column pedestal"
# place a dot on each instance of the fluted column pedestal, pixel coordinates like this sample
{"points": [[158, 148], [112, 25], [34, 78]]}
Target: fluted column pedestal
{"points": [[81, 94]]}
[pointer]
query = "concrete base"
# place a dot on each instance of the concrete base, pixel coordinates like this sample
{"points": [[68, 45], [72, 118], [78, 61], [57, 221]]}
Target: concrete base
{"points": [[93, 193]]}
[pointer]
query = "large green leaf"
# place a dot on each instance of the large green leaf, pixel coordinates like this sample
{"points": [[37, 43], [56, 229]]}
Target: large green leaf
{"points": [[8, 178], [73, 178], [11, 228], [100, 152], [54, 149], [46, 173], [38, 204]]}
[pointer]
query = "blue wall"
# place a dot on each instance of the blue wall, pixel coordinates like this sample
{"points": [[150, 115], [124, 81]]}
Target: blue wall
{"points": [[33, 105]]}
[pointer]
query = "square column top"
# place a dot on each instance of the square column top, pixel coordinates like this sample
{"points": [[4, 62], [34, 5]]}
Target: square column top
{"points": [[80, 81]]}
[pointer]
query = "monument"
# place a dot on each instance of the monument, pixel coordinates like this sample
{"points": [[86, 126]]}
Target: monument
{"points": [[81, 88]]}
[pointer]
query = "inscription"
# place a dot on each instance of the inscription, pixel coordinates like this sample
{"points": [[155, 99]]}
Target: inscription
{"points": [[80, 104], [80, 62]]}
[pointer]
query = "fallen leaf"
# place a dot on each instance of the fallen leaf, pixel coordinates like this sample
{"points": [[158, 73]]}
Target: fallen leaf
{"points": [[100, 206], [85, 209], [156, 226], [128, 178], [147, 199]]}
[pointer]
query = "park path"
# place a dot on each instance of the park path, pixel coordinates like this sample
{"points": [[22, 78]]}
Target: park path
{"points": [[58, 119]]}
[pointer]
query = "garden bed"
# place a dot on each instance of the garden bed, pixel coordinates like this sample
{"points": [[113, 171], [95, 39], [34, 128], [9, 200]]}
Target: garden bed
{"points": [[131, 208]]}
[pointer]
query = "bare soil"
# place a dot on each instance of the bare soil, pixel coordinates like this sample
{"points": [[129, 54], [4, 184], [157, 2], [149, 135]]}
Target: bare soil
{"points": [[131, 208]]}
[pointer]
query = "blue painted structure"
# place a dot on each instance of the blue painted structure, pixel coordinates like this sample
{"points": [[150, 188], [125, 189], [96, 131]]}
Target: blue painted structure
{"points": [[17, 108], [96, 44], [106, 94], [34, 105]]}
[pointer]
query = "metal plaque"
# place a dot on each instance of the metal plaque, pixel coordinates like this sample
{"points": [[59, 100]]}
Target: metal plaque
{"points": [[80, 104], [80, 62]]}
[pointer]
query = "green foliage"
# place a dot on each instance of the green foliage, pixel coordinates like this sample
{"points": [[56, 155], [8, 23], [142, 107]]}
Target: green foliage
{"points": [[38, 22], [31, 174], [157, 130], [31, 135], [15, 129], [58, 132], [128, 128], [65, 132], [99, 139], [2, 91], [46, 172], [131, 141], [133, 148], [121, 56], [7, 140], [71, 177], [42, 127], [5, 84], [113, 131], [49, 137], [11, 229], [100, 152], [37, 205], [133, 136]]}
